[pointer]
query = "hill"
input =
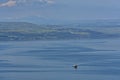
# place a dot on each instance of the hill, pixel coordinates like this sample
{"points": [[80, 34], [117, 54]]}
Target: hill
{"points": [[17, 31]]}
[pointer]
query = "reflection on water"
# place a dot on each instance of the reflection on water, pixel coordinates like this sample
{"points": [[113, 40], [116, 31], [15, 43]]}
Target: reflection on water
{"points": [[53, 60]]}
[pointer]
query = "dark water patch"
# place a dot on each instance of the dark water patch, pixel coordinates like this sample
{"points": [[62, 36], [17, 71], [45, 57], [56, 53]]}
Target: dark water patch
{"points": [[56, 51], [103, 64], [88, 72], [6, 65], [61, 50], [77, 57], [100, 72], [2, 78], [9, 65], [4, 47], [28, 71], [3, 61], [74, 56]]}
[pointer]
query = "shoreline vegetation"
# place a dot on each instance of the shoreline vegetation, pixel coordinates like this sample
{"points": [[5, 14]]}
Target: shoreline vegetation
{"points": [[23, 31]]}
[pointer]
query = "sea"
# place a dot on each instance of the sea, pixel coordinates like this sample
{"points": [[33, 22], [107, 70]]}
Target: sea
{"points": [[97, 59]]}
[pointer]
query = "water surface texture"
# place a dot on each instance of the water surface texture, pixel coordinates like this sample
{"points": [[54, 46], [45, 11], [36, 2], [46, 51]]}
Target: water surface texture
{"points": [[98, 59]]}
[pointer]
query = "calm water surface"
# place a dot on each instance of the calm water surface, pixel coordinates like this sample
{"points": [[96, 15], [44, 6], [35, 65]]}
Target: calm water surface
{"points": [[53, 60]]}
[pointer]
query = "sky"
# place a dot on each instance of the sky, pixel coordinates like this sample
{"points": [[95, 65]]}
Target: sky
{"points": [[56, 11]]}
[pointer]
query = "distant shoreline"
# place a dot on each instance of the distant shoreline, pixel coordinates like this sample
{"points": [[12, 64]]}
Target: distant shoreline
{"points": [[21, 31]]}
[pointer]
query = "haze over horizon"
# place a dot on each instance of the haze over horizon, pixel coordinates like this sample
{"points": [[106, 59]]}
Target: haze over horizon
{"points": [[58, 11]]}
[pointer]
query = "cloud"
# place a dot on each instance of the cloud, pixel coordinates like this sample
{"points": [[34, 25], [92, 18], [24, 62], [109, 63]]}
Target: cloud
{"points": [[33, 1], [9, 3]]}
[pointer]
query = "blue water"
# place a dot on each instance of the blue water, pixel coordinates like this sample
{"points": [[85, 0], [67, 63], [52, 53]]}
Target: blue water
{"points": [[98, 59]]}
